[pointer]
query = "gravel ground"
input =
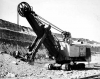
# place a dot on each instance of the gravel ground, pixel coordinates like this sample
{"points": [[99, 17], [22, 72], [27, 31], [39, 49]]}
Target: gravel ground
{"points": [[11, 68]]}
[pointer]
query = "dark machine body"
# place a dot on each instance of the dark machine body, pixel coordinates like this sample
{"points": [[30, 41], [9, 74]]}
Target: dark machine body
{"points": [[62, 51]]}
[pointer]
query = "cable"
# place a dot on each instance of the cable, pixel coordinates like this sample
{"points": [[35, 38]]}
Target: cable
{"points": [[48, 23], [52, 25]]}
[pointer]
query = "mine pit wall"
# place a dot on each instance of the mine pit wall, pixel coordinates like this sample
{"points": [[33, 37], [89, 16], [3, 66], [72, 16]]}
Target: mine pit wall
{"points": [[14, 27], [11, 41], [10, 46], [14, 37]]}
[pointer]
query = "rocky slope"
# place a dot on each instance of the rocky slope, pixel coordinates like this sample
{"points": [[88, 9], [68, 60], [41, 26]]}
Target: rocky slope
{"points": [[14, 37]]}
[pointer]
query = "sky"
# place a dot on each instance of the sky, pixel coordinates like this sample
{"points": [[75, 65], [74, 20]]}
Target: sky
{"points": [[79, 17]]}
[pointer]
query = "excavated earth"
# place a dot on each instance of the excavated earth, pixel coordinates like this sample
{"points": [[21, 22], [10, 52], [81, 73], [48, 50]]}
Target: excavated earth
{"points": [[11, 68]]}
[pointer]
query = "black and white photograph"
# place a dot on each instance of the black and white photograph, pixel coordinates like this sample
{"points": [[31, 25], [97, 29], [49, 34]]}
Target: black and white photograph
{"points": [[49, 39]]}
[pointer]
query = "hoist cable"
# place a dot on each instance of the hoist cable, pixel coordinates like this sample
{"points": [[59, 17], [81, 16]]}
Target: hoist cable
{"points": [[52, 25], [48, 23]]}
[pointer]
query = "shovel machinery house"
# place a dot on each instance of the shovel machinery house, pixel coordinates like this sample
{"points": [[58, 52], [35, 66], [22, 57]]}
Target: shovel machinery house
{"points": [[64, 52]]}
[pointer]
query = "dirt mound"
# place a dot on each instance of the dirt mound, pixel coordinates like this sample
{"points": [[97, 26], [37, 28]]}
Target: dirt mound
{"points": [[9, 64]]}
